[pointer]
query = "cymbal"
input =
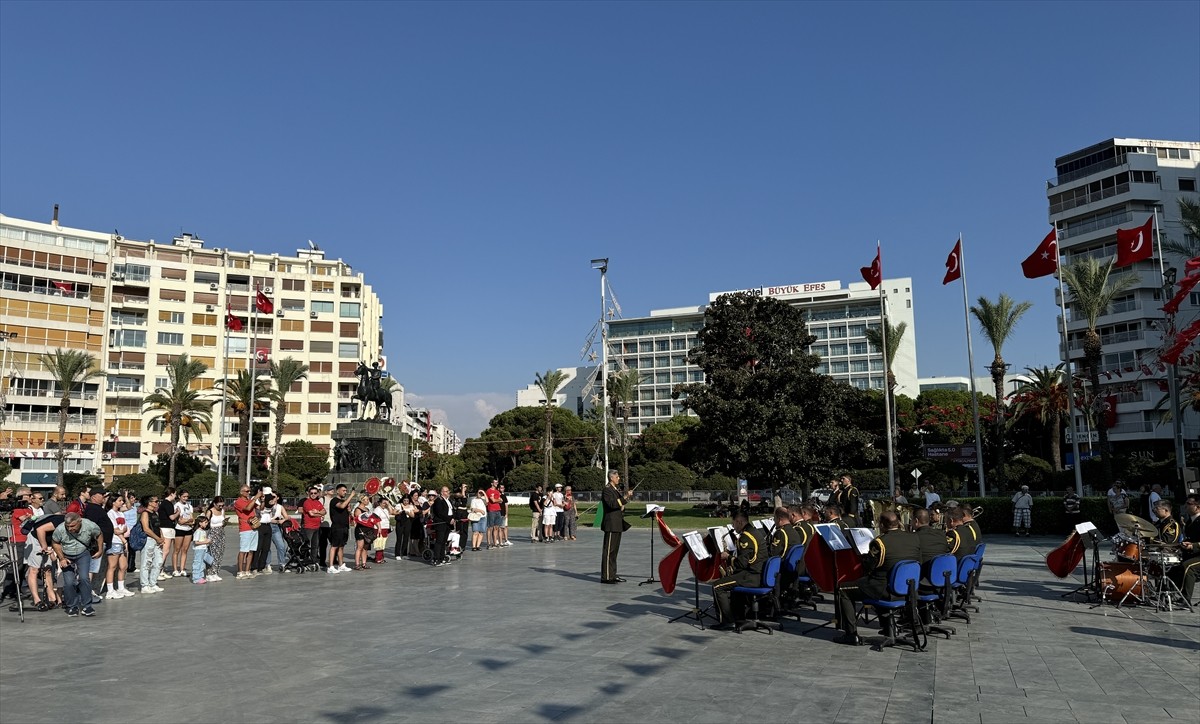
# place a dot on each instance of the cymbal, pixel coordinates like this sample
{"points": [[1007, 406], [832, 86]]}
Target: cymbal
{"points": [[1138, 526]]}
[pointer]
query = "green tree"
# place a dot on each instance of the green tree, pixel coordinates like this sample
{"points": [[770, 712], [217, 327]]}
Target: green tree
{"points": [[529, 476], [766, 415], [139, 484], [187, 466], [549, 383], [1043, 397], [997, 320], [622, 391], [1189, 246], [669, 440], [69, 368], [5, 471], [667, 475], [304, 461], [182, 410], [246, 396], [1092, 293], [285, 373], [586, 478]]}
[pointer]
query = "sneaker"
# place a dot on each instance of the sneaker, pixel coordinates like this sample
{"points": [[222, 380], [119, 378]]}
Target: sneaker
{"points": [[157, 589], [331, 569], [199, 581], [343, 569], [213, 578], [267, 571], [72, 612], [136, 570], [163, 576], [506, 543], [112, 595], [89, 611], [125, 592], [96, 598]]}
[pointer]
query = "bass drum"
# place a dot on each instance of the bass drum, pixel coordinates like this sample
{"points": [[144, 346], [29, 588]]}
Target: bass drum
{"points": [[1118, 579]]}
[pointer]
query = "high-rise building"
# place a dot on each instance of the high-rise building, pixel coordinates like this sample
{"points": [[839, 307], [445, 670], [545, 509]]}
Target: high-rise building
{"points": [[575, 393], [839, 316], [1121, 183], [134, 306]]}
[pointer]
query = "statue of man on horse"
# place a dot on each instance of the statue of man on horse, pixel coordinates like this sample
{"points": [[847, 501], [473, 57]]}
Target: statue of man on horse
{"points": [[370, 392]]}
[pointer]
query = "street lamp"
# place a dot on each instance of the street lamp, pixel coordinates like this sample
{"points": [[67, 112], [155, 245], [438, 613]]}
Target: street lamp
{"points": [[4, 337], [602, 266], [417, 455]]}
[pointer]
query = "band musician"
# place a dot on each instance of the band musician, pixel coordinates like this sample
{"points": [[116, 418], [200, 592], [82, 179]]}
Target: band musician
{"points": [[847, 496], [1185, 573], [1169, 529], [891, 547], [833, 514], [613, 524], [933, 541], [745, 567], [961, 537]]}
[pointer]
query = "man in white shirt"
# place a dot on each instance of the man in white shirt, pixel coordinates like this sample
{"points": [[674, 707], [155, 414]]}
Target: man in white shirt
{"points": [[931, 496], [1022, 512]]}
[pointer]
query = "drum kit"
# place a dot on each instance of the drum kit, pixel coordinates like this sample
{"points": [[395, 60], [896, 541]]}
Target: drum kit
{"points": [[1140, 573]]}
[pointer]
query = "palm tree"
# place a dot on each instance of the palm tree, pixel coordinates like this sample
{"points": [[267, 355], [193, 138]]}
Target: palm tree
{"points": [[69, 368], [1189, 246], [182, 409], [1189, 391], [894, 335], [622, 388], [1091, 295], [1044, 396], [245, 395], [549, 384], [285, 373], [997, 322]]}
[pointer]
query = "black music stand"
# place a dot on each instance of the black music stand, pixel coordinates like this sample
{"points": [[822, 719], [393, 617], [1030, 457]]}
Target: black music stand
{"points": [[650, 514], [1090, 585], [837, 582], [695, 615]]}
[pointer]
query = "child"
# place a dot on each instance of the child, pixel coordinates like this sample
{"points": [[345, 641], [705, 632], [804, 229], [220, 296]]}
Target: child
{"points": [[200, 557]]}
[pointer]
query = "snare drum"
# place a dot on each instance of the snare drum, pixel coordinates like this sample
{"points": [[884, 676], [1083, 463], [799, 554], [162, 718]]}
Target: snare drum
{"points": [[1163, 558], [1118, 579], [1125, 548]]}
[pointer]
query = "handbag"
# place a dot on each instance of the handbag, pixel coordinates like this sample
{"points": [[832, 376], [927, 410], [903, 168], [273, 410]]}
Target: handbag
{"points": [[474, 516], [255, 522], [379, 544]]}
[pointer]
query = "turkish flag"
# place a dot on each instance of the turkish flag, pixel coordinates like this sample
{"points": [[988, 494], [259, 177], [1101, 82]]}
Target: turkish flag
{"points": [[262, 355], [954, 264], [1133, 245], [873, 274], [64, 287], [1044, 259], [265, 306], [1110, 411], [1185, 287], [1192, 264], [232, 322]]}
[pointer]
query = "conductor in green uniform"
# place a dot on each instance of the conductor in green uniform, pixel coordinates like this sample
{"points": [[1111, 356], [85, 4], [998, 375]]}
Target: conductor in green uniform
{"points": [[613, 524]]}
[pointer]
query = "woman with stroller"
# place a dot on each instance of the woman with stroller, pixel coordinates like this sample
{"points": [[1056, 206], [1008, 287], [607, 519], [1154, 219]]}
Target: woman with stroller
{"points": [[216, 537]]}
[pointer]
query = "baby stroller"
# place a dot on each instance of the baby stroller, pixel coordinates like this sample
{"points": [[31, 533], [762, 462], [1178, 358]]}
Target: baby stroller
{"points": [[453, 547], [299, 552]]}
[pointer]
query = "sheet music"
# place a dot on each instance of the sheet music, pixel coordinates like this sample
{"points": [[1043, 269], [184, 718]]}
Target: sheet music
{"points": [[831, 533], [721, 536], [766, 524], [862, 538], [695, 543], [651, 508], [1085, 527]]}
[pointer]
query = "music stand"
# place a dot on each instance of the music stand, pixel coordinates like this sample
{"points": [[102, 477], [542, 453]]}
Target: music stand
{"points": [[695, 542], [651, 509], [833, 539], [1089, 587]]}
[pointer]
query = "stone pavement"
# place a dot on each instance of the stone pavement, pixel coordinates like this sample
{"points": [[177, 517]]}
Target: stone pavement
{"points": [[528, 634]]}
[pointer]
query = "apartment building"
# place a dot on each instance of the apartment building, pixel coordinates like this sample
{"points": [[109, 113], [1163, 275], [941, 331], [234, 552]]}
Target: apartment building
{"points": [[135, 305]]}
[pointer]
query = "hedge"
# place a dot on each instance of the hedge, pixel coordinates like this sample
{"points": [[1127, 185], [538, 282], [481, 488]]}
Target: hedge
{"points": [[1048, 516]]}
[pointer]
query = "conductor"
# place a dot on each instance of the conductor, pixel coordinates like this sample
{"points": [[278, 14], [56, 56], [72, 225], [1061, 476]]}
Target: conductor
{"points": [[613, 524]]}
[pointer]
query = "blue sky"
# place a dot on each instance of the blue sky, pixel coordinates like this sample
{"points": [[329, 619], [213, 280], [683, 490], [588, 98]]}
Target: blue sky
{"points": [[472, 158]]}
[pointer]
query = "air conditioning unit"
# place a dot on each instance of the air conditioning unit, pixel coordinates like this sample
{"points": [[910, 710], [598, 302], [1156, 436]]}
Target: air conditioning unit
{"points": [[312, 315], [214, 287], [278, 312], [107, 456], [268, 290], [209, 308], [118, 276]]}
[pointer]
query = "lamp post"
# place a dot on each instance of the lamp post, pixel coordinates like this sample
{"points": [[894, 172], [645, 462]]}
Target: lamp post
{"points": [[417, 455], [4, 337], [1168, 277], [602, 266]]}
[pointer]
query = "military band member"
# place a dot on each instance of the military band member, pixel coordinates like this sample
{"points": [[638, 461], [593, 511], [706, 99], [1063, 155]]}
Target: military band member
{"points": [[745, 568], [1169, 529], [961, 537], [613, 524], [969, 518], [933, 541], [1185, 574], [833, 514], [848, 498], [892, 546]]}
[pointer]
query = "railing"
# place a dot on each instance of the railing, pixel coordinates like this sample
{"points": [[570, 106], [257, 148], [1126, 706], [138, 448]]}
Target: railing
{"points": [[50, 291], [1131, 428], [1089, 198], [52, 394], [1131, 305], [126, 366], [130, 300], [1067, 232], [62, 268], [1111, 339], [1087, 170], [47, 417]]}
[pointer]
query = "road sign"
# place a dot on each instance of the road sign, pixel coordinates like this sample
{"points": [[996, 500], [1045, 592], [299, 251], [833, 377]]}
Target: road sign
{"points": [[916, 473]]}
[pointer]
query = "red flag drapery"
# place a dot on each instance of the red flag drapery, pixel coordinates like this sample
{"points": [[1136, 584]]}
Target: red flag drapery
{"points": [[265, 305], [1185, 287], [873, 274], [1110, 411], [1044, 260], [1181, 343], [231, 322], [1134, 245], [64, 287], [954, 264], [262, 355]]}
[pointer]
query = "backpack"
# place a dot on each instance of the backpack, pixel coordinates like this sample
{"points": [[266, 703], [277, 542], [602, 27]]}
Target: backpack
{"points": [[137, 537]]}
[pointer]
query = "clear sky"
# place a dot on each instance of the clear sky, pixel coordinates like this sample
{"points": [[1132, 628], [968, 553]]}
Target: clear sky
{"points": [[472, 158]]}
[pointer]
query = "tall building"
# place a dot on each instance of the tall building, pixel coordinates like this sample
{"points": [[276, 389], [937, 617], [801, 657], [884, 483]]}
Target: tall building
{"points": [[1120, 183], [135, 305], [839, 316], [575, 393]]}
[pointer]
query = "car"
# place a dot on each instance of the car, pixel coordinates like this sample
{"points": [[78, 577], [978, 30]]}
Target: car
{"points": [[822, 495]]}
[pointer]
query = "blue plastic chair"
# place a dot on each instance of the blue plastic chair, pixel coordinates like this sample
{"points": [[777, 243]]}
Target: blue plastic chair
{"points": [[902, 586], [935, 607], [765, 589], [792, 560], [964, 589]]}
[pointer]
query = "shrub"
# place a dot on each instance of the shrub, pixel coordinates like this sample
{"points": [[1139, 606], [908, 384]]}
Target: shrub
{"points": [[1027, 470], [586, 478], [668, 475]]}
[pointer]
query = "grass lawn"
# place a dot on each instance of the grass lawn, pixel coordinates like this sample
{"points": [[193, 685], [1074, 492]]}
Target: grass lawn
{"points": [[681, 517]]}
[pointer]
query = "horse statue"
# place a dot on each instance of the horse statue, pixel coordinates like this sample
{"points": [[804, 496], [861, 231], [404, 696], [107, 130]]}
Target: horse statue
{"points": [[370, 393]]}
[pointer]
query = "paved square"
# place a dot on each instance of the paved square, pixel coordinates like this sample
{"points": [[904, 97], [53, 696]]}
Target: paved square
{"points": [[528, 634]]}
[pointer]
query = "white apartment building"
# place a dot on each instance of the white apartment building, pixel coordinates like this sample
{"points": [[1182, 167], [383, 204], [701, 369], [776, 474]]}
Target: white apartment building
{"points": [[838, 315], [575, 394], [134, 305], [1120, 183]]}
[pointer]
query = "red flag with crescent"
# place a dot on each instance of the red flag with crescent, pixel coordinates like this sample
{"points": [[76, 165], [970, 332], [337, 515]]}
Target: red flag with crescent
{"points": [[1134, 245], [873, 274], [953, 264], [1044, 259]]}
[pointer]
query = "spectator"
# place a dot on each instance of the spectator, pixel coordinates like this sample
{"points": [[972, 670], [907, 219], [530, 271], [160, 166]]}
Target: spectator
{"points": [[57, 501], [493, 515], [405, 517], [216, 538], [931, 496], [166, 521], [40, 564], [535, 507], [246, 508], [570, 514], [504, 541], [118, 548], [364, 532], [383, 511], [312, 511], [1071, 507], [477, 515], [76, 542], [442, 514], [201, 559], [549, 517], [556, 502], [1151, 501], [152, 554], [1022, 512], [96, 511], [899, 498], [339, 528], [1118, 499], [131, 519], [262, 548], [184, 520], [462, 508], [78, 502]]}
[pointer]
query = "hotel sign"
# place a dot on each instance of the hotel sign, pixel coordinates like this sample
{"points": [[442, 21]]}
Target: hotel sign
{"points": [[783, 291]]}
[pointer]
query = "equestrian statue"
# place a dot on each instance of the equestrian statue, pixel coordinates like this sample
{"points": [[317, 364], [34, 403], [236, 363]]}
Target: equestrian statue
{"points": [[370, 392]]}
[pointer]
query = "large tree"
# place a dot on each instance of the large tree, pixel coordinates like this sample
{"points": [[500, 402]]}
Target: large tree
{"points": [[1043, 397], [997, 320], [69, 368], [184, 412], [285, 373], [246, 395], [766, 415], [1092, 292], [549, 383]]}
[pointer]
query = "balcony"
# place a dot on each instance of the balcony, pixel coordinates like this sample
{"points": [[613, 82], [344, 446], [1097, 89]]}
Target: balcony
{"points": [[1089, 198], [48, 291], [51, 394], [1108, 339], [25, 420], [1075, 230], [1086, 171]]}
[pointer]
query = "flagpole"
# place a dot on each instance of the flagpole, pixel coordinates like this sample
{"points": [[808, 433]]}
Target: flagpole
{"points": [[252, 347], [1172, 382], [1070, 381], [225, 386], [887, 390], [962, 263]]}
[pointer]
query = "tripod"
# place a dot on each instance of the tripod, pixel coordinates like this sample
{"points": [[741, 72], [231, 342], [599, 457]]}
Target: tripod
{"points": [[696, 614], [10, 561]]}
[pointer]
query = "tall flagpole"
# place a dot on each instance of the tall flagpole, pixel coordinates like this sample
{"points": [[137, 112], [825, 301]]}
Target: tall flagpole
{"points": [[962, 262], [604, 361], [252, 348], [1062, 307], [224, 395], [887, 390], [1172, 382]]}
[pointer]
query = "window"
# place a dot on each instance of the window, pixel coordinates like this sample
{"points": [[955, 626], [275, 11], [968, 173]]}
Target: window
{"points": [[293, 285], [170, 317], [322, 307], [291, 344], [237, 345], [320, 367], [646, 347], [837, 349], [320, 347], [1179, 153], [203, 277], [292, 305], [858, 348], [173, 273], [293, 408], [678, 344], [172, 295], [161, 382], [291, 325], [318, 408], [1187, 184], [126, 338], [837, 332], [662, 378], [205, 320], [678, 377], [663, 361], [858, 330], [347, 349], [175, 338], [323, 287], [696, 376], [203, 340], [839, 367], [678, 360], [320, 388], [858, 365], [318, 429], [661, 345]]}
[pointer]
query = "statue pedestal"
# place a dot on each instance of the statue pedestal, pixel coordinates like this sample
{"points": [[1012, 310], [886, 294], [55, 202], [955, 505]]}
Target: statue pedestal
{"points": [[365, 449]]}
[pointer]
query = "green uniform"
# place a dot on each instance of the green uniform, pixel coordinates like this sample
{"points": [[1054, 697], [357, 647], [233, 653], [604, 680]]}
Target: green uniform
{"points": [[613, 526], [746, 570], [883, 555]]}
